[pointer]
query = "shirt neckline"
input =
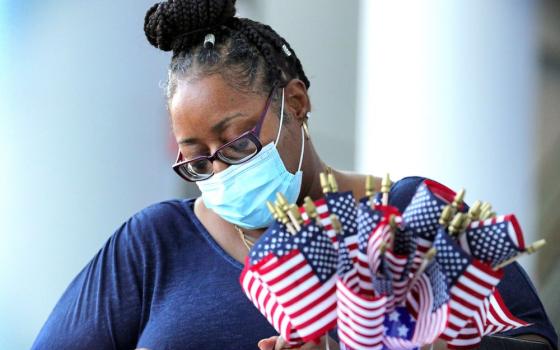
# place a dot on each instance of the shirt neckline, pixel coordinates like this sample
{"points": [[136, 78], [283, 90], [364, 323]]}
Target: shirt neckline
{"points": [[189, 207]]}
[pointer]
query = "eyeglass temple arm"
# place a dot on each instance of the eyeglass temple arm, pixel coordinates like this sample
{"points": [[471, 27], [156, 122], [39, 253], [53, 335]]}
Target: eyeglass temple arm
{"points": [[268, 102]]}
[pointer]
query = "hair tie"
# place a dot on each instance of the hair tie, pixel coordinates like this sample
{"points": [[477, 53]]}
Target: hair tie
{"points": [[286, 50], [209, 39]]}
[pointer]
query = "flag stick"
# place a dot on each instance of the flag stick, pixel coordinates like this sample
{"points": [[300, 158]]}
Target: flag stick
{"points": [[391, 241], [529, 250], [295, 216], [430, 255]]}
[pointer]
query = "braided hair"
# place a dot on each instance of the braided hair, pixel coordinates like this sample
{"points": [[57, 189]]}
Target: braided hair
{"points": [[250, 55]]}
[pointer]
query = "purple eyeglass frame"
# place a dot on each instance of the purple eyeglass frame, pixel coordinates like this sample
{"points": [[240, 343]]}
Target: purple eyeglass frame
{"points": [[253, 134]]}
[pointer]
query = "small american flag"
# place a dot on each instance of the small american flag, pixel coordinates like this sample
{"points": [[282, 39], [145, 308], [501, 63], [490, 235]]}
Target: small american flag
{"points": [[397, 266], [300, 272], [426, 312], [360, 317], [493, 240], [257, 291], [421, 216], [343, 205], [368, 219], [469, 281], [387, 268], [267, 304], [492, 317], [429, 304]]}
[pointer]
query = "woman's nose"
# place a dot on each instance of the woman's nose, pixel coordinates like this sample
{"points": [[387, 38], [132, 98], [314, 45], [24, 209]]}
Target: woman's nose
{"points": [[218, 165]]}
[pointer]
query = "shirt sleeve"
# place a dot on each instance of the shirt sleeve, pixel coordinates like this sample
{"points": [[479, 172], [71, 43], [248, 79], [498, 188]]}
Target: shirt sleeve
{"points": [[102, 307], [516, 287]]}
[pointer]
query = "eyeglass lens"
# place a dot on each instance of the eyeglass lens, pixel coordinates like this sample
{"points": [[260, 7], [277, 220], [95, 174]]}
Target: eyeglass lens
{"points": [[236, 152]]}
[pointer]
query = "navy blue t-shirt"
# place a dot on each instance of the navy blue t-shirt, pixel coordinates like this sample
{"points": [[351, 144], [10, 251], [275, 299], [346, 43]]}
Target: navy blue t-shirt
{"points": [[162, 282]]}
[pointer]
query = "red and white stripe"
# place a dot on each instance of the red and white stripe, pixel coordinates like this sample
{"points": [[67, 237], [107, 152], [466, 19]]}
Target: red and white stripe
{"points": [[429, 323], [360, 318], [364, 272], [310, 304], [267, 304], [493, 317], [468, 294], [397, 264]]}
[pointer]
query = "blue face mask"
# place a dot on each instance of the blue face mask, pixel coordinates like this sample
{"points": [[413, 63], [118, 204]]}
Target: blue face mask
{"points": [[239, 193]]}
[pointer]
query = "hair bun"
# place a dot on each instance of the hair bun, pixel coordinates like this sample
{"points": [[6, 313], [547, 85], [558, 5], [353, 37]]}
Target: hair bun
{"points": [[166, 21]]}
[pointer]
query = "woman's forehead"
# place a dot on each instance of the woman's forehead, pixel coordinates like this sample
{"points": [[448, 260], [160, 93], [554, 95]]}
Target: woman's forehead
{"points": [[210, 96]]}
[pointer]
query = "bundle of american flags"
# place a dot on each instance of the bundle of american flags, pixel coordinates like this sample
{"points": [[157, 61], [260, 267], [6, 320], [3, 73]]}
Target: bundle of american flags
{"points": [[384, 279]]}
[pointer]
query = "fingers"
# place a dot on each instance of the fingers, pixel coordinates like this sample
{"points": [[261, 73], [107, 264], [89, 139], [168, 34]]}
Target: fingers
{"points": [[278, 343], [268, 343]]}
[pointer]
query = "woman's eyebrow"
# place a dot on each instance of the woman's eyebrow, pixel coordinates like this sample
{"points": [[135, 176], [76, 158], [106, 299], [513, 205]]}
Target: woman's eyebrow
{"points": [[216, 128], [219, 126]]}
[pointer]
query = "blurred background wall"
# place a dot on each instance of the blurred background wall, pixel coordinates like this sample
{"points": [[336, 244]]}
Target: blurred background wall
{"points": [[434, 88]]}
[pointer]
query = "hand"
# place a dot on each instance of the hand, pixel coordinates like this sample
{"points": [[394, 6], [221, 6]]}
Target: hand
{"points": [[278, 343]]}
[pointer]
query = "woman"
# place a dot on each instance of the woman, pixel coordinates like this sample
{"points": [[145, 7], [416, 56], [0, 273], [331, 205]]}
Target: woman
{"points": [[168, 277]]}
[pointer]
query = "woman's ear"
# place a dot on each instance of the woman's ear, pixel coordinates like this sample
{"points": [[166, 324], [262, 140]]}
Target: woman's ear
{"points": [[297, 100]]}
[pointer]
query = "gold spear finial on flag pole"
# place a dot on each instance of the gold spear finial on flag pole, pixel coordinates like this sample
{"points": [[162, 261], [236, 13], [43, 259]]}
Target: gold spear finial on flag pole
{"points": [[428, 257], [446, 216], [385, 189], [457, 224], [310, 208], [332, 182], [282, 216], [486, 211], [474, 210], [272, 210], [391, 241], [458, 200], [282, 202], [528, 250], [335, 223], [370, 189], [324, 183]]}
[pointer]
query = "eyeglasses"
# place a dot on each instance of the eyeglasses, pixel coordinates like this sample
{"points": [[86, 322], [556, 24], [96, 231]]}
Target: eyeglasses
{"points": [[236, 151]]}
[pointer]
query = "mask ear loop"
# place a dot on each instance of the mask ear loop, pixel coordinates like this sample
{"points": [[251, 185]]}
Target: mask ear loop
{"points": [[302, 148], [280, 130]]}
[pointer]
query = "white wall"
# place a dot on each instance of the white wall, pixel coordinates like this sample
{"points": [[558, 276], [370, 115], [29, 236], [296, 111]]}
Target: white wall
{"points": [[447, 90], [83, 142]]}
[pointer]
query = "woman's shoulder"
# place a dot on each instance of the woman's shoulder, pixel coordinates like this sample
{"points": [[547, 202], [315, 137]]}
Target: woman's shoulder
{"points": [[158, 223], [403, 190]]}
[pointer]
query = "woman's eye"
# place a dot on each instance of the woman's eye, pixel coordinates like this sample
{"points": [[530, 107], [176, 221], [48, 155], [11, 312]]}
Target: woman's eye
{"points": [[238, 150], [199, 167], [240, 145]]}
